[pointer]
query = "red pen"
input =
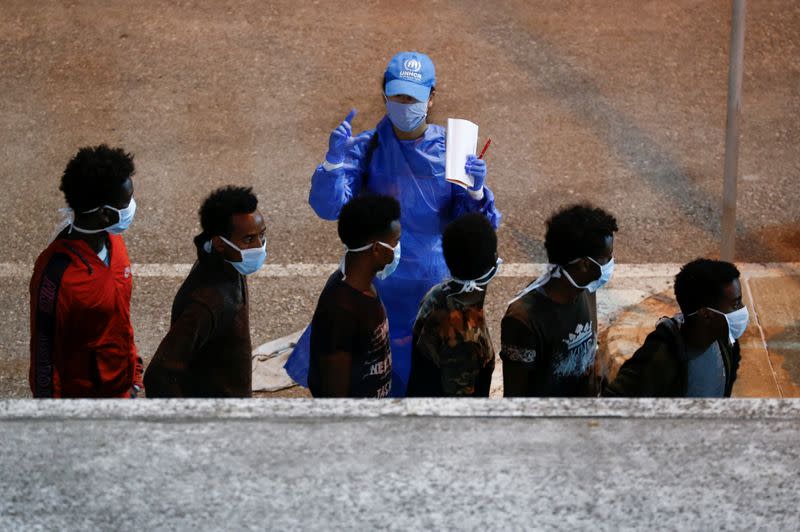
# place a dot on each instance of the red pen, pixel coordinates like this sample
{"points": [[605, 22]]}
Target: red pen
{"points": [[485, 146]]}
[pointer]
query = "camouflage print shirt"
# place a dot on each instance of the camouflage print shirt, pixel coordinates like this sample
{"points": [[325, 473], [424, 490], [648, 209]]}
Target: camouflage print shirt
{"points": [[452, 353]]}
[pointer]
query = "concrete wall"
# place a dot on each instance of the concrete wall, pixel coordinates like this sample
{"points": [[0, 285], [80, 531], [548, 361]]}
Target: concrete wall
{"points": [[412, 464]]}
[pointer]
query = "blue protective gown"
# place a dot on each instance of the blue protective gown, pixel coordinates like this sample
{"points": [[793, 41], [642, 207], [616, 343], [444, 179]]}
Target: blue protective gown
{"points": [[413, 172]]}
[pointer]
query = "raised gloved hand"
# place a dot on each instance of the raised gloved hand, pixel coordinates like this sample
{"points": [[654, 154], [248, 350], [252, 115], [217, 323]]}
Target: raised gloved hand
{"points": [[342, 139], [476, 168]]}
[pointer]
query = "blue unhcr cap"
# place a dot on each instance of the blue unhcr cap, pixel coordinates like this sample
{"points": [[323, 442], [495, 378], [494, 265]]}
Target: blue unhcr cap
{"points": [[410, 73]]}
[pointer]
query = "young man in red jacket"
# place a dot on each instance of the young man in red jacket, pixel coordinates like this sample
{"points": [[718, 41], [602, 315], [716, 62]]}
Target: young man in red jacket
{"points": [[81, 334]]}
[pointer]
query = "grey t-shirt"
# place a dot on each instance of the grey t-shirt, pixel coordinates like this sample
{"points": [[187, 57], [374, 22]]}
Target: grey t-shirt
{"points": [[706, 373]]}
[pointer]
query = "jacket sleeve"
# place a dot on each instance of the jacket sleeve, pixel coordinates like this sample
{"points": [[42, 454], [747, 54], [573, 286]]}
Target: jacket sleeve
{"points": [[736, 358], [464, 203], [138, 372], [331, 190], [187, 335], [50, 309], [651, 372]]}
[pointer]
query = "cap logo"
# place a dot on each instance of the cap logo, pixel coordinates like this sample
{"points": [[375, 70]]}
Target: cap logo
{"points": [[413, 65]]}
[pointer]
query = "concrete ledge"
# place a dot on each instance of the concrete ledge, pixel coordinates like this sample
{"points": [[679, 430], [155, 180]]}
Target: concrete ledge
{"points": [[232, 409], [400, 465]]}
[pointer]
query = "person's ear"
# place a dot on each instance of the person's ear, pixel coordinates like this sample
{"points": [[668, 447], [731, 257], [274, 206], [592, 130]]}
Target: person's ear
{"points": [[584, 265], [705, 314], [383, 255], [218, 244], [430, 101], [107, 216], [376, 252]]}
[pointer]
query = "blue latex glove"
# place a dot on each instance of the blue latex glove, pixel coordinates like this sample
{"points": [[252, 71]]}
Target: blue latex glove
{"points": [[342, 139], [476, 168]]}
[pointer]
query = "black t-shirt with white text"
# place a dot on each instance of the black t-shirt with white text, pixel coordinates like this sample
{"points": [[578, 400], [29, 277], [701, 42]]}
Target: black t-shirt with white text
{"points": [[351, 321], [553, 342]]}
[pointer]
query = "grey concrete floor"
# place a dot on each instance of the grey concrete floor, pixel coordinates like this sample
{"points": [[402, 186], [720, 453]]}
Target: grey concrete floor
{"points": [[619, 103], [399, 465]]}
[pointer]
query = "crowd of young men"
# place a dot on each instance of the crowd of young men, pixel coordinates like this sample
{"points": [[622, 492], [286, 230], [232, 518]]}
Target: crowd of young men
{"points": [[82, 339]]}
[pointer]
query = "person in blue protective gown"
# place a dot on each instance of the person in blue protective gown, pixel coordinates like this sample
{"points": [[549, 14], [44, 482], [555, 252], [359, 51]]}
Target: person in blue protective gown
{"points": [[403, 157]]}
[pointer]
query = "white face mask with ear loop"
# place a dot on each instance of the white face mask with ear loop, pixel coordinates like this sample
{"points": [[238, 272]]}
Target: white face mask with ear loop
{"points": [[124, 219], [386, 271], [737, 321], [606, 271], [555, 271]]}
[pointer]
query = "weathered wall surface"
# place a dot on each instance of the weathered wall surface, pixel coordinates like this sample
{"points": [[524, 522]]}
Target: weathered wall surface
{"points": [[414, 464]]}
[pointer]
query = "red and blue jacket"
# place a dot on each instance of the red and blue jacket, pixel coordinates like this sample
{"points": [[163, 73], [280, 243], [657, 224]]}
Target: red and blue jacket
{"points": [[81, 334]]}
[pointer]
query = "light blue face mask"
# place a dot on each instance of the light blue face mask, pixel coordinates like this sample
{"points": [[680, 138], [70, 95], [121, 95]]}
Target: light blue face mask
{"points": [[125, 219], [252, 259], [406, 116]]}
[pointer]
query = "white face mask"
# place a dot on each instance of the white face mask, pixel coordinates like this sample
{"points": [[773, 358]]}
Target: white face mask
{"points": [[737, 322], [125, 219], [606, 271], [387, 270], [392, 266]]}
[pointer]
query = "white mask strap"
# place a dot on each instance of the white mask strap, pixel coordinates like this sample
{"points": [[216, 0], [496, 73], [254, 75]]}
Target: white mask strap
{"points": [[231, 244], [473, 285], [551, 272], [356, 250], [353, 250]]}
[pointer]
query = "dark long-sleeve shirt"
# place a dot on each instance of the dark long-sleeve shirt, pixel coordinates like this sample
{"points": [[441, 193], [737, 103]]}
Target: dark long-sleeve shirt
{"points": [[207, 351]]}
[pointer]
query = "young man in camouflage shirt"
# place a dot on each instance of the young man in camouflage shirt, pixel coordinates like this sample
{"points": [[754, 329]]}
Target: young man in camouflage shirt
{"points": [[452, 352]]}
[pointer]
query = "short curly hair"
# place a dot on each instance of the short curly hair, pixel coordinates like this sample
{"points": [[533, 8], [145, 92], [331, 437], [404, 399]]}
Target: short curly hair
{"points": [[93, 177], [577, 231], [469, 244], [216, 213], [701, 283], [365, 218]]}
